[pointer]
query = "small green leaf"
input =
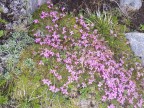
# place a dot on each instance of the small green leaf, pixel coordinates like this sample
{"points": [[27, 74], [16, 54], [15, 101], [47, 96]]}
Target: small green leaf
{"points": [[1, 33]]}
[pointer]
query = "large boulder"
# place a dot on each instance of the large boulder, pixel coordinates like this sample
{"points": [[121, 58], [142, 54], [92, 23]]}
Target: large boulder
{"points": [[136, 40], [130, 5]]}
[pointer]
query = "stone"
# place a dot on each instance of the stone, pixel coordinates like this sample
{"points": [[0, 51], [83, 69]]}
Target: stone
{"points": [[32, 5], [136, 41], [4, 9], [130, 5]]}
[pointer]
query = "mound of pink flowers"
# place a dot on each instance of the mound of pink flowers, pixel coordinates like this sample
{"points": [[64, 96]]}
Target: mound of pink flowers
{"points": [[84, 54]]}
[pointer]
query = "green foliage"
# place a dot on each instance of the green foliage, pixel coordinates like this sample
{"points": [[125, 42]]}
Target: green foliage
{"points": [[1, 33], [3, 100], [5, 90], [43, 70], [3, 21], [29, 90], [84, 92], [1, 10], [13, 47], [142, 27], [32, 73]]}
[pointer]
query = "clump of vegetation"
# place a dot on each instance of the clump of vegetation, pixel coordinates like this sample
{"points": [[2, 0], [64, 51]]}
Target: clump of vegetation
{"points": [[3, 21], [141, 27], [71, 59], [71, 56], [12, 48], [1, 33], [6, 87], [112, 31]]}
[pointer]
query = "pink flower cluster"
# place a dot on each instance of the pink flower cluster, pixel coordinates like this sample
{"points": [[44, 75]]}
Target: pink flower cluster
{"points": [[86, 55]]}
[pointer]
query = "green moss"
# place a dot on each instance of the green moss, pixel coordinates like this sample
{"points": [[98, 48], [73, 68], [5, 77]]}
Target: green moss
{"points": [[1, 10], [3, 21], [6, 87], [43, 71], [68, 21], [29, 90], [141, 27], [104, 23], [1, 33]]}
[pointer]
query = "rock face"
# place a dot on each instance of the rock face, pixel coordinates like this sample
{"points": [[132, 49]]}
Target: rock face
{"points": [[16, 11], [34, 4], [130, 5], [136, 40]]}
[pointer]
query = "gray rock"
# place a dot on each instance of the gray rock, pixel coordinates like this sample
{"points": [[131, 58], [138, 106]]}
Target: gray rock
{"points": [[136, 40], [15, 10], [32, 5], [130, 5], [4, 8]]}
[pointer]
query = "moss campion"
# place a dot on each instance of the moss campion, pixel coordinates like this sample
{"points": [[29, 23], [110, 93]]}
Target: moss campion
{"points": [[76, 55]]}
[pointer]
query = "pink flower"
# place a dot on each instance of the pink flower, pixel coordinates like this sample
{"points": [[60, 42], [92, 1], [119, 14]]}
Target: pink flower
{"points": [[59, 59], [56, 25], [36, 21], [75, 26], [48, 27], [37, 40], [81, 31], [84, 85], [63, 90], [47, 53], [65, 37], [71, 32], [52, 88], [63, 8], [140, 103], [86, 54], [41, 63], [104, 98], [59, 77], [92, 25], [55, 36], [46, 81], [43, 15], [52, 71], [63, 30], [100, 84], [111, 106]]}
